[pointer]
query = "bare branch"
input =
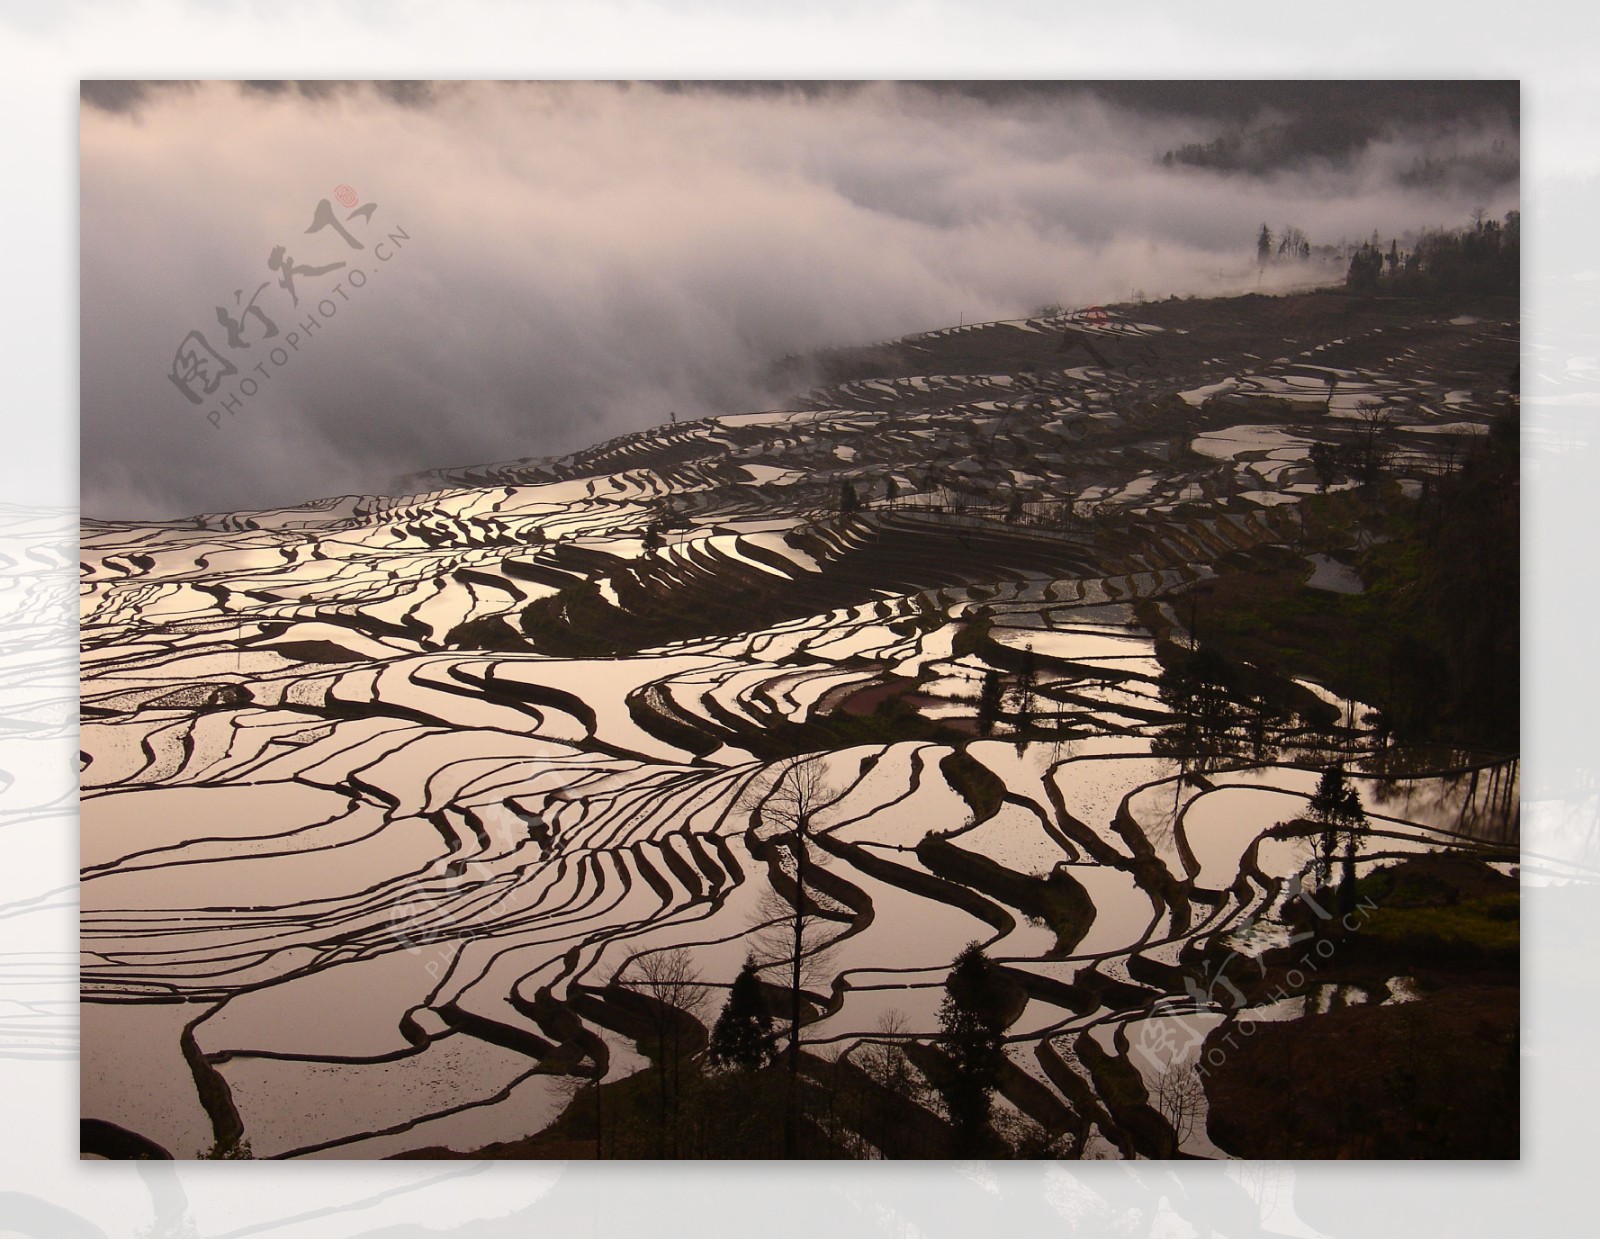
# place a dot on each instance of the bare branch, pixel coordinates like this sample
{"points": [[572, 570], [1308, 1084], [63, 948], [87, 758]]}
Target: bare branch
{"points": [[670, 978], [1180, 1096], [797, 792]]}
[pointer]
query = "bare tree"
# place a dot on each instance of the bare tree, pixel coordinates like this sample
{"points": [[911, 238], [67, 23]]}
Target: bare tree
{"points": [[1372, 444], [1180, 1096], [784, 813], [677, 995], [883, 1058], [1292, 243], [801, 944]]}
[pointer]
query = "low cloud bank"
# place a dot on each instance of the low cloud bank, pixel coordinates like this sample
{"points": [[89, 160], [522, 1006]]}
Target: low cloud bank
{"points": [[570, 261]]}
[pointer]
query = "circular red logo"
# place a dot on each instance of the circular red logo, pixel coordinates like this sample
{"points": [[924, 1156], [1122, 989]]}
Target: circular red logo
{"points": [[346, 196]]}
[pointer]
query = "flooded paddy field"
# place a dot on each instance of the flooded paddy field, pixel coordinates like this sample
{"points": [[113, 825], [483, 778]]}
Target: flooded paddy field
{"points": [[389, 802]]}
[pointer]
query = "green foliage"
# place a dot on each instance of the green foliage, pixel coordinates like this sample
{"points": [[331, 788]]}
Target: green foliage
{"points": [[1492, 923], [1422, 904]]}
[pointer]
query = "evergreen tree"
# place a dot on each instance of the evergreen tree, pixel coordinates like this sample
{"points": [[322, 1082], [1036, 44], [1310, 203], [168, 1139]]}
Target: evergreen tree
{"points": [[742, 1036], [1366, 264], [1328, 806], [848, 501], [1337, 805], [1264, 246], [1328, 802], [971, 1020], [1354, 818], [990, 699], [1027, 679]]}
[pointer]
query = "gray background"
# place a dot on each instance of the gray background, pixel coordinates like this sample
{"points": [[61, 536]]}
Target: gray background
{"points": [[44, 1190]]}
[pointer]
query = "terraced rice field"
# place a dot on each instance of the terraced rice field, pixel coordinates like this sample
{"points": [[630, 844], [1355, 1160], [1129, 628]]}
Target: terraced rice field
{"points": [[382, 795]]}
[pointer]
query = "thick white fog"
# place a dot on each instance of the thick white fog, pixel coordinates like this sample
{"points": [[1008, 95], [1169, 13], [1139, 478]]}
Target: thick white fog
{"points": [[578, 259]]}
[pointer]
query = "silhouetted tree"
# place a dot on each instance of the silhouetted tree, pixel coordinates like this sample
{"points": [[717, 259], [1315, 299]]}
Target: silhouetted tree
{"points": [[1264, 246], [1337, 806], [1180, 1097], [971, 1021], [1366, 265], [1325, 462], [1354, 817], [1025, 688], [792, 936], [849, 502], [669, 980], [1292, 243], [1327, 806], [1328, 801], [990, 699], [1484, 259], [885, 1061], [742, 1036], [786, 813], [1371, 449], [1218, 713]]}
